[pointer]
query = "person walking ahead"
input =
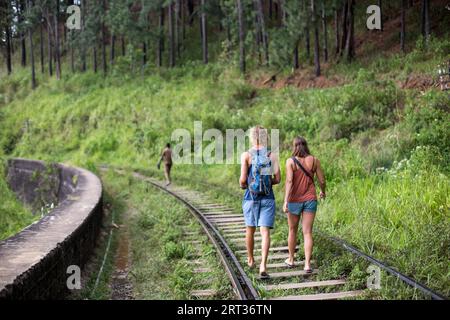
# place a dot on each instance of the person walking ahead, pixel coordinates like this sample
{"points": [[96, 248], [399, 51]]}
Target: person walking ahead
{"points": [[166, 158], [301, 199], [260, 170]]}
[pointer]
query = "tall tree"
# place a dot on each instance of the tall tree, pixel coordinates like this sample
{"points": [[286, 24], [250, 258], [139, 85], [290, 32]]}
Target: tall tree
{"points": [[403, 26], [6, 14], [20, 17], [350, 41], [171, 35], [380, 4], [57, 40], [177, 27], [41, 44], [103, 42], [306, 32], [49, 40], [204, 33], [241, 30], [262, 28], [344, 24], [30, 38], [113, 48], [160, 37], [426, 20], [325, 33], [336, 31], [316, 39]]}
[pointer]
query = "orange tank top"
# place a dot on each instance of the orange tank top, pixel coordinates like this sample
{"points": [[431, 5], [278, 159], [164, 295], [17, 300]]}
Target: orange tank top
{"points": [[303, 188]]}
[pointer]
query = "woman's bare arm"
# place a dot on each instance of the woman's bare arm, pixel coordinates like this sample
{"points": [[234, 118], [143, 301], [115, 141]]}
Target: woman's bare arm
{"points": [[244, 170], [321, 178], [289, 180], [276, 178]]}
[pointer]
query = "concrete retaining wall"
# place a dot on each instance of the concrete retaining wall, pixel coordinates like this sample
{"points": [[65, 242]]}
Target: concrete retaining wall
{"points": [[34, 262]]}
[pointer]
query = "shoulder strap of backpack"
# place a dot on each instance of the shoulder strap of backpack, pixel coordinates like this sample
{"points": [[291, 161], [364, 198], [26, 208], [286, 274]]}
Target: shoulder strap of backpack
{"points": [[302, 168]]}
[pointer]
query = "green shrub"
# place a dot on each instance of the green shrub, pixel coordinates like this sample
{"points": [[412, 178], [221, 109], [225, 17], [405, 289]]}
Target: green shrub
{"points": [[174, 250]]}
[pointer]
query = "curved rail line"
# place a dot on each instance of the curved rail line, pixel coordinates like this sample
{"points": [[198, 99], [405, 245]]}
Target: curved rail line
{"points": [[241, 283], [222, 226], [220, 222], [345, 245]]}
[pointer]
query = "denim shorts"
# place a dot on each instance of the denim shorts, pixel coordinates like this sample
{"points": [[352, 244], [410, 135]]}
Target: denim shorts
{"points": [[299, 207], [259, 213]]}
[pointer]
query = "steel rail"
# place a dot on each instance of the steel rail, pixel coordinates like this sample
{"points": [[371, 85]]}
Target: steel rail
{"points": [[406, 279], [240, 281]]}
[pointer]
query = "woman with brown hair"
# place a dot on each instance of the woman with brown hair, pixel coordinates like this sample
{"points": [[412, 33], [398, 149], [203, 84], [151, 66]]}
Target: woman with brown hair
{"points": [[301, 198]]}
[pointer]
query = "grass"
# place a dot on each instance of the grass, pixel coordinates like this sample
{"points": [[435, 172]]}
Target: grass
{"points": [[160, 252], [14, 216]]}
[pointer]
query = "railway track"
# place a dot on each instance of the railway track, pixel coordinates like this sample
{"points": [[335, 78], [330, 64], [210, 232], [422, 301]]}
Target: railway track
{"points": [[225, 229]]}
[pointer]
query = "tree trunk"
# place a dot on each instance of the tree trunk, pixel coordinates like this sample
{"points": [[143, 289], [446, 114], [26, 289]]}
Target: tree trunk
{"points": [[270, 9], [306, 29], [160, 38], [336, 29], [204, 34], [264, 37], [325, 33], [104, 61], [316, 39], [296, 59], [349, 45], [171, 37], [426, 20], [177, 27], [344, 26], [30, 38], [57, 53], [258, 35], [72, 54], [190, 5], [83, 48], [41, 45], [94, 56], [144, 55], [8, 49], [113, 48], [403, 26], [240, 11], [49, 44], [380, 4], [20, 13], [183, 19], [123, 46]]}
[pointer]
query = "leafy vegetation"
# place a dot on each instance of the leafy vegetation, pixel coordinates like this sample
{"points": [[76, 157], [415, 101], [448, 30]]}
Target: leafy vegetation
{"points": [[13, 215]]}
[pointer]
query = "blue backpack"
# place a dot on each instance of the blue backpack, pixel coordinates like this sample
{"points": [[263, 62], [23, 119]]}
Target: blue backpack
{"points": [[260, 180]]}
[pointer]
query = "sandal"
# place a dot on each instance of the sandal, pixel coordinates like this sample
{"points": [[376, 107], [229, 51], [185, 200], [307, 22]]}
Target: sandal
{"points": [[289, 265], [309, 271], [264, 276]]}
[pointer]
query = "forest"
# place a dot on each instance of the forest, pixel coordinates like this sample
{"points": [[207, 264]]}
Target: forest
{"points": [[373, 105]]}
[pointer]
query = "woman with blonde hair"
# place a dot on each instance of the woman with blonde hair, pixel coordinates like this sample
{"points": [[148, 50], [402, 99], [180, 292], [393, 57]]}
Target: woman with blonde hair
{"points": [[301, 199], [260, 170]]}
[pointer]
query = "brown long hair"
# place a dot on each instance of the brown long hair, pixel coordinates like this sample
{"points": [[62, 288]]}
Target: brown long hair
{"points": [[300, 148]]}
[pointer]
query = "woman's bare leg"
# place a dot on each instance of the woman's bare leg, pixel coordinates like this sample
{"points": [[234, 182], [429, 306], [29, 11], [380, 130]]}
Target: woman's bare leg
{"points": [[250, 243], [307, 225], [265, 245], [293, 221]]}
